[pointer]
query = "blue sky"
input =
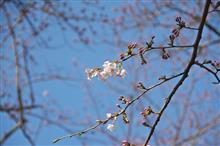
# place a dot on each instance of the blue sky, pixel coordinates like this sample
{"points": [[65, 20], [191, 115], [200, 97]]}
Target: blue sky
{"points": [[75, 99]]}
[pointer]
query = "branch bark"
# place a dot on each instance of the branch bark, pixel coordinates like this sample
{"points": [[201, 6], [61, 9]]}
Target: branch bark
{"points": [[186, 71]]}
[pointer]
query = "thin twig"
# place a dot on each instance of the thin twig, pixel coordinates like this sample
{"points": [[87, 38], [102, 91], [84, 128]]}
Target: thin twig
{"points": [[209, 70], [117, 113], [187, 27], [155, 48], [17, 109]]}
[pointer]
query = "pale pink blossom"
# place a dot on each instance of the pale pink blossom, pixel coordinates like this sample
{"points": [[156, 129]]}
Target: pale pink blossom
{"points": [[121, 73], [111, 127], [92, 73], [103, 75], [109, 67], [108, 115], [45, 93]]}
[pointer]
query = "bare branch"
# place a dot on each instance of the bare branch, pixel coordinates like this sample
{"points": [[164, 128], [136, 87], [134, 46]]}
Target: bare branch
{"points": [[10, 132], [215, 74]]}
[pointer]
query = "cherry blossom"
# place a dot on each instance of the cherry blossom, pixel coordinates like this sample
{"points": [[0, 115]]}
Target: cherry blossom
{"points": [[103, 75], [108, 115], [111, 127], [92, 73], [109, 69], [121, 73], [45, 93]]}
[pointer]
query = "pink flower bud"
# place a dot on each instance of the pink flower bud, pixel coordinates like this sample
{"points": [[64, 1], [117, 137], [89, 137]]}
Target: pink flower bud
{"points": [[125, 143]]}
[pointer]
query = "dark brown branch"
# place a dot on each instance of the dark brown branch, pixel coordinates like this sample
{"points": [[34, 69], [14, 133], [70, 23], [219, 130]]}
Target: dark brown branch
{"points": [[186, 71], [213, 28]]}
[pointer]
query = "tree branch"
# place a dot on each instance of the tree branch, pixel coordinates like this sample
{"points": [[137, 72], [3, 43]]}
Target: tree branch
{"points": [[186, 71], [209, 70], [10, 132], [117, 113]]}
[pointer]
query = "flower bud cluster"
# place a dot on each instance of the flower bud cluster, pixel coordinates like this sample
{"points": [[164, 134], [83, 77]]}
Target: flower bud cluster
{"points": [[176, 31]]}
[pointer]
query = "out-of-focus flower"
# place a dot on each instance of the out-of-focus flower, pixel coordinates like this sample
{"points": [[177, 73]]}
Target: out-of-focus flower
{"points": [[110, 127], [108, 115], [45, 93]]}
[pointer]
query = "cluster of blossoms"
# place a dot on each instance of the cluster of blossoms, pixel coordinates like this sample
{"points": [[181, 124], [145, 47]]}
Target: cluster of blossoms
{"points": [[113, 117], [45, 93], [109, 69]]}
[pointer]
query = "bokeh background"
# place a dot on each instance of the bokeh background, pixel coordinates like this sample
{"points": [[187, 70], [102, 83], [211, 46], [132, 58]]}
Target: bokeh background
{"points": [[56, 41]]}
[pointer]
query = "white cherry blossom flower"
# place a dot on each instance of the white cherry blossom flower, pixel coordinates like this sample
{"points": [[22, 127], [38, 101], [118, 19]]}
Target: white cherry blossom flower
{"points": [[109, 64], [121, 73], [89, 73], [109, 67], [103, 75], [111, 127], [92, 73], [108, 115]]}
